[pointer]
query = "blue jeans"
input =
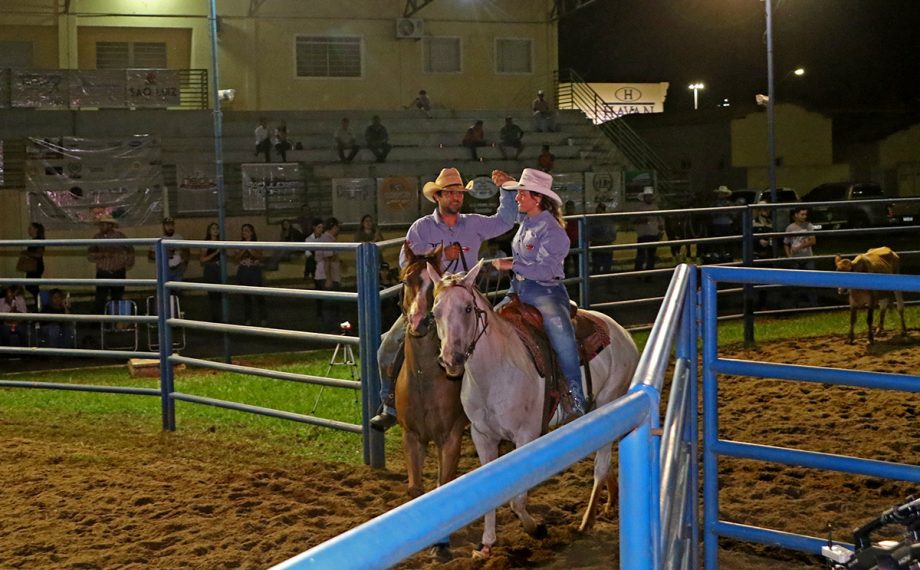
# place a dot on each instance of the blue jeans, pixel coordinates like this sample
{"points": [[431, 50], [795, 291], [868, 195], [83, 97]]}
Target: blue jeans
{"points": [[553, 303], [386, 355]]}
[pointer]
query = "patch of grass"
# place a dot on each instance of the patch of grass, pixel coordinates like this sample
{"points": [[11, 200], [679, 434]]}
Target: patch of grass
{"points": [[71, 409]]}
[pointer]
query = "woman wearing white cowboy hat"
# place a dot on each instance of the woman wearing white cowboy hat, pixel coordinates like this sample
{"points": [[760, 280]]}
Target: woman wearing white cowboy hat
{"points": [[538, 251]]}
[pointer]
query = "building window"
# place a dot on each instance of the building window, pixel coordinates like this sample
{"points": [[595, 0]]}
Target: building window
{"points": [[513, 55], [442, 55], [123, 55], [319, 56]]}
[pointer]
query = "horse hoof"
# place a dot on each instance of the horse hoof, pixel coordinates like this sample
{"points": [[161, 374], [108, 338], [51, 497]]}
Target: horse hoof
{"points": [[483, 553], [539, 531], [414, 493], [440, 553]]}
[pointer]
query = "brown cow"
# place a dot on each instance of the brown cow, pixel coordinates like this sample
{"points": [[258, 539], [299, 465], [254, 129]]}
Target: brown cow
{"points": [[878, 260]]}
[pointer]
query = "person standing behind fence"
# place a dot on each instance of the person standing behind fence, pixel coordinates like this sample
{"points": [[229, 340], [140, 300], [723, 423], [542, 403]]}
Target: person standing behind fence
{"points": [[210, 264], [329, 275], [797, 246], [177, 256], [263, 140], [601, 231], [112, 262], [648, 229], [250, 274], [368, 230], [309, 268], [13, 333], [32, 259]]}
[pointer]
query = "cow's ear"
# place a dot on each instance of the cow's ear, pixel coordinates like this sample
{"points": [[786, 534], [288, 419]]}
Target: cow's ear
{"points": [[837, 259]]}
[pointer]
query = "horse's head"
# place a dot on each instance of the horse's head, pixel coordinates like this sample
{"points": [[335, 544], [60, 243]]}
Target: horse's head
{"points": [[418, 290], [842, 264], [460, 315]]}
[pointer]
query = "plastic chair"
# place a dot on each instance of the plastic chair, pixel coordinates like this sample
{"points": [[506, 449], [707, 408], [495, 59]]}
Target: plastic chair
{"points": [[153, 330], [128, 331]]}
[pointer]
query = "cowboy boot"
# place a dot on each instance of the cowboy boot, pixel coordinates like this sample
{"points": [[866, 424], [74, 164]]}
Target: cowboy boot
{"points": [[578, 406], [386, 414]]}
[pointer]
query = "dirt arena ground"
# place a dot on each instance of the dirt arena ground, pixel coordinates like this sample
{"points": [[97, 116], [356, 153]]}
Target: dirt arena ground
{"points": [[125, 496]]}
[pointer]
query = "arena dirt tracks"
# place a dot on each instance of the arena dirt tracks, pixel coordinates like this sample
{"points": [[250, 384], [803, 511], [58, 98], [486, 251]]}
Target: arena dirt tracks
{"points": [[82, 495]]}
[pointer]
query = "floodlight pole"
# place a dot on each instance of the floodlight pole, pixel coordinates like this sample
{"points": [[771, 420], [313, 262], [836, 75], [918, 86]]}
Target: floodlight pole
{"points": [[771, 97], [219, 164]]}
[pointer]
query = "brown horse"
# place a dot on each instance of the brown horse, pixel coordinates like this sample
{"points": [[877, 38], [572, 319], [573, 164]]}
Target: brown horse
{"points": [[427, 401]]}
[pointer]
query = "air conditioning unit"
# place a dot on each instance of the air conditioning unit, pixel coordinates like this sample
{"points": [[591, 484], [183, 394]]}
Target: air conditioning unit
{"points": [[412, 28]]}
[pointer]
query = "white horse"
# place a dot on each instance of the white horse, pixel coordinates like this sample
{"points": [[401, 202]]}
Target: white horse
{"points": [[502, 393]]}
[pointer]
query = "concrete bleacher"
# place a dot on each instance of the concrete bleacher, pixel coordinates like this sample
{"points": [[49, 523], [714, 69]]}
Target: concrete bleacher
{"points": [[421, 145]]}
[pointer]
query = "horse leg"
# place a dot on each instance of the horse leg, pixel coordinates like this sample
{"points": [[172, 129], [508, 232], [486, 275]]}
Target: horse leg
{"points": [[869, 312], [415, 462], [450, 455], [882, 309], [601, 477], [899, 299], [852, 319], [487, 450], [612, 493], [519, 503]]}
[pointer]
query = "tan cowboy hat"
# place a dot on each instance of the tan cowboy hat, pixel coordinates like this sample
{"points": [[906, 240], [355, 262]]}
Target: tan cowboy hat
{"points": [[535, 181], [449, 178], [723, 191], [107, 219]]}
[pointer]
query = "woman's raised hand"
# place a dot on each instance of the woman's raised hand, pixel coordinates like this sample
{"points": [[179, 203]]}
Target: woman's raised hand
{"points": [[499, 177]]}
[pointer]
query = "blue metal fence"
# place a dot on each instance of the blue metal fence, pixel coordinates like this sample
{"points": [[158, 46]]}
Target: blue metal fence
{"points": [[634, 418], [714, 447]]}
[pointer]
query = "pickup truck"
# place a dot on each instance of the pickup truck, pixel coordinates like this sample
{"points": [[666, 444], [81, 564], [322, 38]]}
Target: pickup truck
{"points": [[851, 213]]}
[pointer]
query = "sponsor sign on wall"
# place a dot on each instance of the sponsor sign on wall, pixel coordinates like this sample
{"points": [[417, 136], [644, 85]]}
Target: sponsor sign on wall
{"points": [[197, 189], [606, 187], [272, 187], [152, 87], [352, 198], [397, 200]]}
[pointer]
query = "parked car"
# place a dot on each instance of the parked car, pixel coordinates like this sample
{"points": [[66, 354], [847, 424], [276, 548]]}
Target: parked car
{"points": [[781, 216], [850, 213]]}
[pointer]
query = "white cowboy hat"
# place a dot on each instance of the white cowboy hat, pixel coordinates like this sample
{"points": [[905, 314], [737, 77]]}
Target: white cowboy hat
{"points": [[723, 191], [648, 191], [535, 181], [448, 178]]}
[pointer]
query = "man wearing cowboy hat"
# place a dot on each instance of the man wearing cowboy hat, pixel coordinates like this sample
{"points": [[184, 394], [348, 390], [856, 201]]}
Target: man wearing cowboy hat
{"points": [[112, 262], [461, 236], [720, 225], [648, 229]]}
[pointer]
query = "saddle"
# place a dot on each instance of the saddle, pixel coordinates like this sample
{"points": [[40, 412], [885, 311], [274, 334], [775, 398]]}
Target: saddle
{"points": [[591, 336]]}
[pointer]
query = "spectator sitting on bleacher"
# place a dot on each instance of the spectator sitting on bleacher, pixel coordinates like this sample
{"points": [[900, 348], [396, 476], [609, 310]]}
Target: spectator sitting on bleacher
{"points": [[57, 334], [474, 138], [344, 140], [263, 141], [280, 140], [422, 103], [377, 140], [543, 116], [511, 136], [13, 333]]}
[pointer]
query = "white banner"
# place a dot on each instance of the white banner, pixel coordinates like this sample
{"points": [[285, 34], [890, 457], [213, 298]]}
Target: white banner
{"points": [[352, 198]]}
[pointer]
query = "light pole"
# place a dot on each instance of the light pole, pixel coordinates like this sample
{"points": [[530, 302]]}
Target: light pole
{"points": [[771, 119], [695, 87]]}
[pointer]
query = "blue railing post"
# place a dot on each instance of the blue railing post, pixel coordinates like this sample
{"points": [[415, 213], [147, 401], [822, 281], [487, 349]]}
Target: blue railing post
{"points": [[584, 286], [687, 348], [164, 311], [637, 543], [710, 426], [747, 254], [369, 322]]}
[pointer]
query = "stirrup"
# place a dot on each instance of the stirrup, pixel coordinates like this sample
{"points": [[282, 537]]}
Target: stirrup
{"points": [[383, 420]]}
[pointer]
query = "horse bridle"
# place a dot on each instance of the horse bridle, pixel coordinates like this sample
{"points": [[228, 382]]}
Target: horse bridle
{"points": [[480, 316]]}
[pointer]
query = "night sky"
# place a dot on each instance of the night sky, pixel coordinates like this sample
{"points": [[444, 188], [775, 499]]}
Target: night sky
{"points": [[860, 55]]}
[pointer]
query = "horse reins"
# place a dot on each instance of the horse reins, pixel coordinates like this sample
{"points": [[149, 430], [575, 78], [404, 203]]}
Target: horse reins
{"points": [[480, 315]]}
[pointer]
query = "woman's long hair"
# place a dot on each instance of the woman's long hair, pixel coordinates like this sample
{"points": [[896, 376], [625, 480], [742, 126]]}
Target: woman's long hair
{"points": [[251, 229], [207, 232], [548, 204]]}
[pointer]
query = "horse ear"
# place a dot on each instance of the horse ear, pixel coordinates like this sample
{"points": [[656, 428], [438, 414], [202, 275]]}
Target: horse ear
{"points": [[433, 274], [470, 278]]}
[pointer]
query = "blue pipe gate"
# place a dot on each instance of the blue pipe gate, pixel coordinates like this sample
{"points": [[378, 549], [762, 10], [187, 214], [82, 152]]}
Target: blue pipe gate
{"points": [[658, 464]]}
